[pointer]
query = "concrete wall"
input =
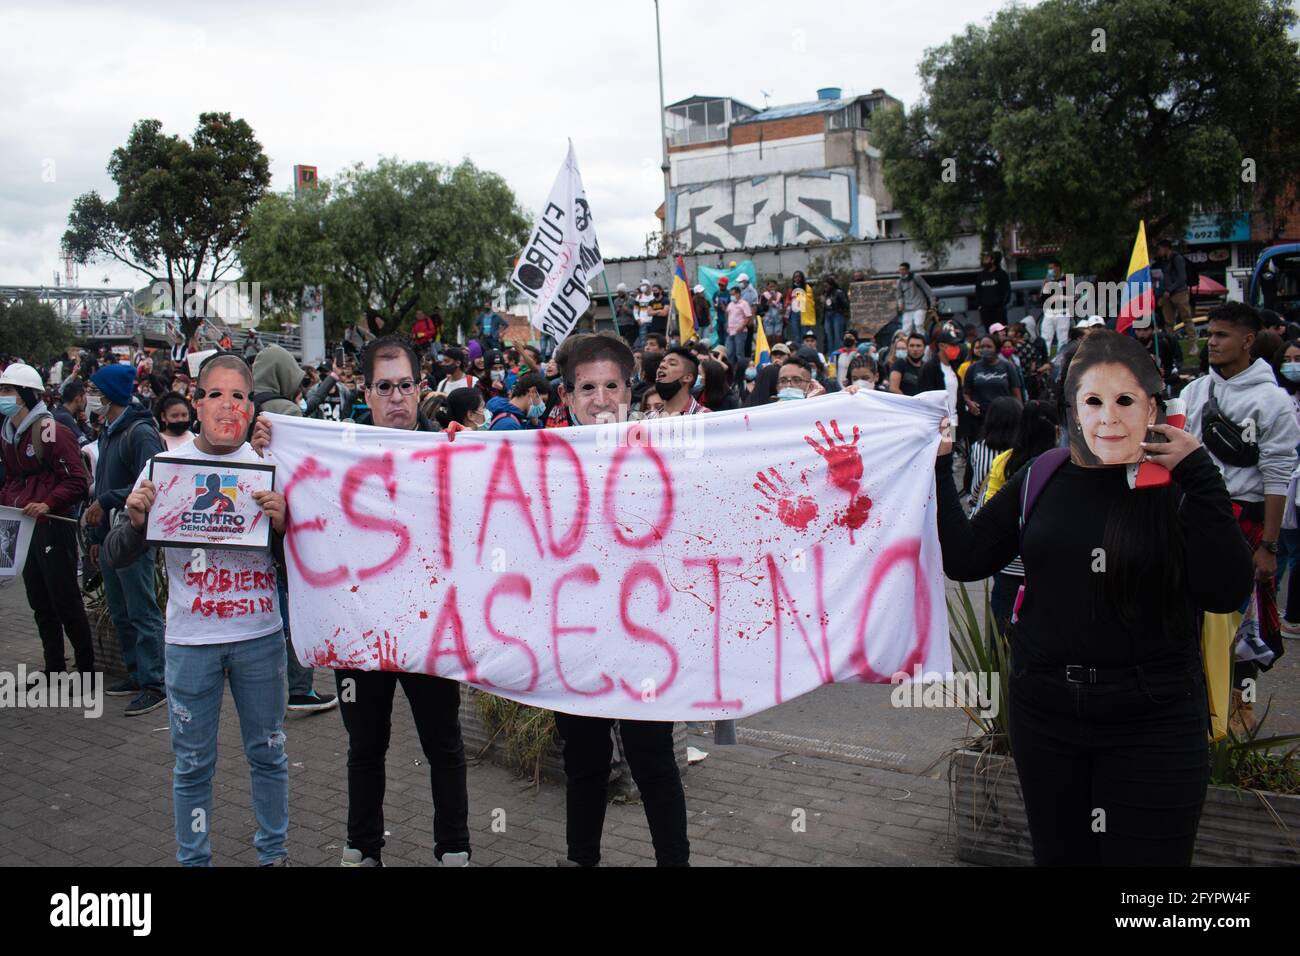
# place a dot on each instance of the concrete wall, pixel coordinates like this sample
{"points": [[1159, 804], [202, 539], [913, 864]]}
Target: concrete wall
{"points": [[873, 257]]}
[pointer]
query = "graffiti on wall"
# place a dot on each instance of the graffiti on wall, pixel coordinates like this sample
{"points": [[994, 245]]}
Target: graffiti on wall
{"points": [[782, 209]]}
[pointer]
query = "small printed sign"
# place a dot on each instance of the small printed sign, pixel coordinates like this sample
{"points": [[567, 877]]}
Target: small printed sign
{"points": [[209, 503]]}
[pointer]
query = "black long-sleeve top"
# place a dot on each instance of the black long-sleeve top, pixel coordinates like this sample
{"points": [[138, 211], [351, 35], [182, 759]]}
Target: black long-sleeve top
{"points": [[1060, 621]]}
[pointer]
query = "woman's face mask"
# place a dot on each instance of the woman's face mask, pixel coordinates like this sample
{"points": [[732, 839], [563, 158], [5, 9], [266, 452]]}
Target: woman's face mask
{"points": [[900, 354], [1291, 371], [751, 374], [1008, 351]]}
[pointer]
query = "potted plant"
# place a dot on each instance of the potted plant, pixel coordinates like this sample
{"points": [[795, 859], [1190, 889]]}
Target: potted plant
{"points": [[1252, 807]]}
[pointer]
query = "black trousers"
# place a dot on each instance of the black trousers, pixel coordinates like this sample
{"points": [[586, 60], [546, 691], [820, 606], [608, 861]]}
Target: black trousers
{"points": [[648, 745], [1112, 774], [50, 577], [367, 708]]}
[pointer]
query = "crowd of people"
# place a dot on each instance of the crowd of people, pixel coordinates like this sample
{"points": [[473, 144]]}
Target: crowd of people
{"points": [[1014, 391]]}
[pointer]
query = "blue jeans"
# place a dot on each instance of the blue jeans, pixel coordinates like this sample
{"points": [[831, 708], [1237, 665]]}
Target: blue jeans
{"points": [[299, 676], [196, 684], [133, 605], [834, 331], [736, 348]]}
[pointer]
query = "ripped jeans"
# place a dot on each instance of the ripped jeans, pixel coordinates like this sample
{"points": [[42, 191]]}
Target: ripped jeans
{"points": [[196, 684]]}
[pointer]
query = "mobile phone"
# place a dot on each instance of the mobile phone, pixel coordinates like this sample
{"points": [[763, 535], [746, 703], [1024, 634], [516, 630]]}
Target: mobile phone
{"points": [[339, 356]]}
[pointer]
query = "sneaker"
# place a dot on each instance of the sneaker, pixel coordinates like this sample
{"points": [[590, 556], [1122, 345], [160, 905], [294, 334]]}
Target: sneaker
{"points": [[353, 857], [454, 859], [147, 701], [1291, 631], [123, 688], [310, 703]]}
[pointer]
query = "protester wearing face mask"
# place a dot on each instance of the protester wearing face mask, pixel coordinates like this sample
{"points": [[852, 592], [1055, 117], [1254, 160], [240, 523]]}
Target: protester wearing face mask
{"points": [[1057, 308], [905, 378], [795, 380], [862, 374], [45, 482], [526, 407], [175, 416], [465, 408], [674, 380], [937, 374]]}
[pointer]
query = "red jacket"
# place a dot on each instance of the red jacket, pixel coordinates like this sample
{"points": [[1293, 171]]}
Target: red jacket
{"points": [[57, 478], [423, 331]]}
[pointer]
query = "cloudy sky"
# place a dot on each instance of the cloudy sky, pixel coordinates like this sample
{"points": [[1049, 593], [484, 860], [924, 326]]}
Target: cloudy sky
{"points": [[332, 83]]}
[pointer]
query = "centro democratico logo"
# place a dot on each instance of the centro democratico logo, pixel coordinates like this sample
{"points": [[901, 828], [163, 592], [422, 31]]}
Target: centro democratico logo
{"points": [[215, 492]]}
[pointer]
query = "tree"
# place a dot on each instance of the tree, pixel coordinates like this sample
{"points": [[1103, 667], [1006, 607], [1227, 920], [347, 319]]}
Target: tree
{"points": [[388, 240], [1075, 118], [32, 330], [181, 209]]}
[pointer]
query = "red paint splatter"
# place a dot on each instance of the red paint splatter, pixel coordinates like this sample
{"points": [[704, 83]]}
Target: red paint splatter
{"points": [[843, 461], [794, 511], [424, 615], [855, 515], [388, 652]]}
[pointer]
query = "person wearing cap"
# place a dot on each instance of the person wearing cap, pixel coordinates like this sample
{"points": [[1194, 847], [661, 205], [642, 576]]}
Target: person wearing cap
{"points": [[810, 343], [674, 380], [740, 317], [780, 352], [625, 314], [701, 315], [44, 477], [127, 441]]}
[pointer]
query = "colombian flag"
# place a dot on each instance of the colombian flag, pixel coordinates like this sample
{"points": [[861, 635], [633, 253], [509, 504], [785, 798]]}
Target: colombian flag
{"points": [[1139, 297], [762, 354], [682, 303]]}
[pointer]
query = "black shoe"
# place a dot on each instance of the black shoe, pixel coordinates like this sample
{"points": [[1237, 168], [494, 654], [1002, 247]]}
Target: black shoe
{"points": [[147, 701], [123, 688], [310, 703]]}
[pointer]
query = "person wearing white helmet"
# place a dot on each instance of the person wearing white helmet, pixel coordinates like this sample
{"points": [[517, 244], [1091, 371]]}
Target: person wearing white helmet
{"points": [[700, 310], [642, 312], [45, 478], [625, 314]]}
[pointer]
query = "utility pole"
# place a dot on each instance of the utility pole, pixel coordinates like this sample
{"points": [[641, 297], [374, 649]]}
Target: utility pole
{"points": [[664, 246]]}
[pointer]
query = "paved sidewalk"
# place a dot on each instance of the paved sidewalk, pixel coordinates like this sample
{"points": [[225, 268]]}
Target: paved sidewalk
{"points": [[77, 791]]}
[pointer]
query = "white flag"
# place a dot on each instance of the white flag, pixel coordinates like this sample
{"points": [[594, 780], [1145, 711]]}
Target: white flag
{"points": [[562, 256]]}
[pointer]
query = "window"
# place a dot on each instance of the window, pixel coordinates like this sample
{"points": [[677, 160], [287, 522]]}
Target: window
{"points": [[697, 122]]}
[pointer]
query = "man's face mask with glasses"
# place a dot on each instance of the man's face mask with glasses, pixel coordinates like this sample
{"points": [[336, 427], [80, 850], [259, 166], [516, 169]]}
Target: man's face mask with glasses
{"points": [[386, 389]]}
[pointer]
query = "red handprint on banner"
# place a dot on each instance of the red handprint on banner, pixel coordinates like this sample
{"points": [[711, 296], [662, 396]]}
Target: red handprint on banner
{"points": [[844, 471], [793, 510]]}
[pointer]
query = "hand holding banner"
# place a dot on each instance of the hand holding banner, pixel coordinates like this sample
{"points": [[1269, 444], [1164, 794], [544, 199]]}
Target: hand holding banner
{"points": [[698, 567]]}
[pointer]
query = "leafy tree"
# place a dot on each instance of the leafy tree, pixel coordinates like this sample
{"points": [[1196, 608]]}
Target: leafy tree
{"points": [[181, 209], [32, 330], [1075, 118], [388, 240]]}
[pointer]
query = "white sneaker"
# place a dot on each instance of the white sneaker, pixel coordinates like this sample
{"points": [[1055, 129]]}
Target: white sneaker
{"points": [[1291, 631], [353, 857], [454, 859]]}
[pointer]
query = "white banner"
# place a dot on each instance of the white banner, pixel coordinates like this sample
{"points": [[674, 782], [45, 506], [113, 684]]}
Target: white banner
{"points": [[562, 256], [690, 568]]}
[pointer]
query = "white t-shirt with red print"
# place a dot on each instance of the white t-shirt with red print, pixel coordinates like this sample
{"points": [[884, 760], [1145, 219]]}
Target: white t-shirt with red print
{"points": [[234, 598]]}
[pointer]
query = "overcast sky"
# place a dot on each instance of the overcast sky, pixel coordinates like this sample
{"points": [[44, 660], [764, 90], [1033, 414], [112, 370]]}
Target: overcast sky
{"points": [[332, 83]]}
